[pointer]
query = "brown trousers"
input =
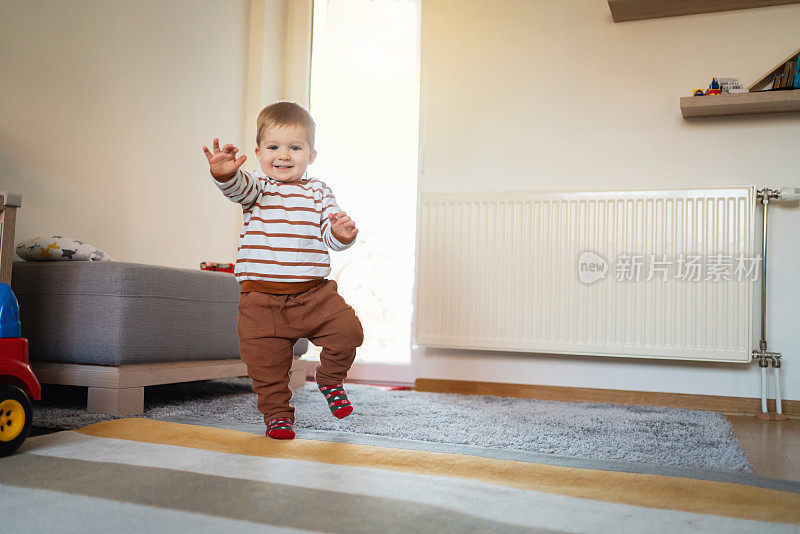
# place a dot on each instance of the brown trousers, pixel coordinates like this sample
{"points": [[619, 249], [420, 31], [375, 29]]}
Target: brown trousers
{"points": [[269, 325]]}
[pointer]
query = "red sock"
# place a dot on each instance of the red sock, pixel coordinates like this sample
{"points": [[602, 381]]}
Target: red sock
{"points": [[337, 400], [280, 428]]}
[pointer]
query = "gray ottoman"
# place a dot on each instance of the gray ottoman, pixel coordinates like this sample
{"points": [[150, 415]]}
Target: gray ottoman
{"points": [[116, 327]]}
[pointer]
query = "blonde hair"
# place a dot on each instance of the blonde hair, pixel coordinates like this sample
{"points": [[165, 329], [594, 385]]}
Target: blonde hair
{"points": [[285, 114]]}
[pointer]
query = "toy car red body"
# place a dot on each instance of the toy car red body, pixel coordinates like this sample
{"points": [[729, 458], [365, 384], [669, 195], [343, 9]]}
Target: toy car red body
{"points": [[17, 386]]}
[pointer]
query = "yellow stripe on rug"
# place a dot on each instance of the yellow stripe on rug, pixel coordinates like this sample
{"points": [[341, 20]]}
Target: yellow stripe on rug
{"points": [[652, 491]]}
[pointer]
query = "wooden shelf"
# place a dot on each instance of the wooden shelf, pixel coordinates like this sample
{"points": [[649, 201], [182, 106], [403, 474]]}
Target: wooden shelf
{"points": [[741, 103], [624, 10]]}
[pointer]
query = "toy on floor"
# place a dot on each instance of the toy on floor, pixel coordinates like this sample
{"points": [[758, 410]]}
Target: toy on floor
{"points": [[17, 382], [220, 267]]}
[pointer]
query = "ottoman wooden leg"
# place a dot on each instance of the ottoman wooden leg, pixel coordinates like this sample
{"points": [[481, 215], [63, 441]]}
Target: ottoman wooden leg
{"points": [[123, 401], [297, 375]]}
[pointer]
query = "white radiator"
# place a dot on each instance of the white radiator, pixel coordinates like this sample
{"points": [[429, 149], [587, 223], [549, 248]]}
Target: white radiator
{"points": [[513, 272]]}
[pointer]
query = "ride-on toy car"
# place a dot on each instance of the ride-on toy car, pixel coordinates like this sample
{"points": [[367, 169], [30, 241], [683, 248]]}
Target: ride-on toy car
{"points": [[18, 384]]}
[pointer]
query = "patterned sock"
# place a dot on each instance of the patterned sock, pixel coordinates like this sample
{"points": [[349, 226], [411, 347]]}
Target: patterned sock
{"points": [[337, 400], [280, 428]]}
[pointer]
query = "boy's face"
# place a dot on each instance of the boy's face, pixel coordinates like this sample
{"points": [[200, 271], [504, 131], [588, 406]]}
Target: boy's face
{"points": [[284, 153]]}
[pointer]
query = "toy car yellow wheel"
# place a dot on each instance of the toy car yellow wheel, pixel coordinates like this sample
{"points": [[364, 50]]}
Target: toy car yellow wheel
{"points": [[15, 418]]}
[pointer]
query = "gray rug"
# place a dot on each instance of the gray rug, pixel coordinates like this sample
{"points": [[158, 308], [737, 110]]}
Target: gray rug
{"points": [[652, 435]]}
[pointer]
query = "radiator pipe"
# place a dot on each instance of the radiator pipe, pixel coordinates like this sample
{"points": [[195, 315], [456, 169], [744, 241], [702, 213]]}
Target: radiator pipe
{"points": [[765, 358], [776, 364], [763, 343]]}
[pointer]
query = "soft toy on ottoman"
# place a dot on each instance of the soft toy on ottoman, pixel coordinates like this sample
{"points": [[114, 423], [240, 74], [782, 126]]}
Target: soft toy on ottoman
{"points": [[58, 248]]}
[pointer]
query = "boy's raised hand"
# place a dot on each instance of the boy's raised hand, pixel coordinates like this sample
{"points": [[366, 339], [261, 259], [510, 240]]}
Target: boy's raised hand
{"points": [[343, 227], [223, 163]]}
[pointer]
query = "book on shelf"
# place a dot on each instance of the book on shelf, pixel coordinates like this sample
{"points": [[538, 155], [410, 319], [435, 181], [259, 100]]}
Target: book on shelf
{"points": [[784, 75], [776, 80], [796, 83], [787, 70]]}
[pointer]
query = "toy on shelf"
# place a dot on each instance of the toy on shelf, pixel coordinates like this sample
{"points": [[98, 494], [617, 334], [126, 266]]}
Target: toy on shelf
{"points": [[18, 384], [220, 267], [713, 89]]}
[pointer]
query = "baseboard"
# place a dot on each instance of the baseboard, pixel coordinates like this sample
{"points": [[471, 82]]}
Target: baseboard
{"points": [[727, 405], [371, 373]]}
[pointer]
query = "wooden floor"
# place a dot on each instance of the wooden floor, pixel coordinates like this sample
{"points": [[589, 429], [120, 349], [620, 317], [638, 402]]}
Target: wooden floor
{"points": [[772, 447]]}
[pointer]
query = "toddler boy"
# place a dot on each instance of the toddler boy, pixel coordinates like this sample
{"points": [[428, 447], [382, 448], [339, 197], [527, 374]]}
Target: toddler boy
{"points": [[289, 223]]}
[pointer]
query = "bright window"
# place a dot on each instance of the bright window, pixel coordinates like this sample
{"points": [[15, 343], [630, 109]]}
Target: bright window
{"points": [[365, 100]]}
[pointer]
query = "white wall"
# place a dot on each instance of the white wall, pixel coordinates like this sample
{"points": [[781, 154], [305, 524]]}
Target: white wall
{"points": [[539, 95], [105, 108]]}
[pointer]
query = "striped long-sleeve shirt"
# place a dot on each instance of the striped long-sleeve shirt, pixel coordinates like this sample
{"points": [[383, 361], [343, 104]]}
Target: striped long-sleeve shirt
{"points": [[286, 231]]}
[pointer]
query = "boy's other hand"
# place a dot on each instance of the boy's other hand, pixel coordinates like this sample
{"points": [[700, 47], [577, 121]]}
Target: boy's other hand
{"points": [[343, 227], [223, 163]]}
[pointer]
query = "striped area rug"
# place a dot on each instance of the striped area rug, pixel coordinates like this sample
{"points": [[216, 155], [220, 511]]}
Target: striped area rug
{"points": [[143, 475]]}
